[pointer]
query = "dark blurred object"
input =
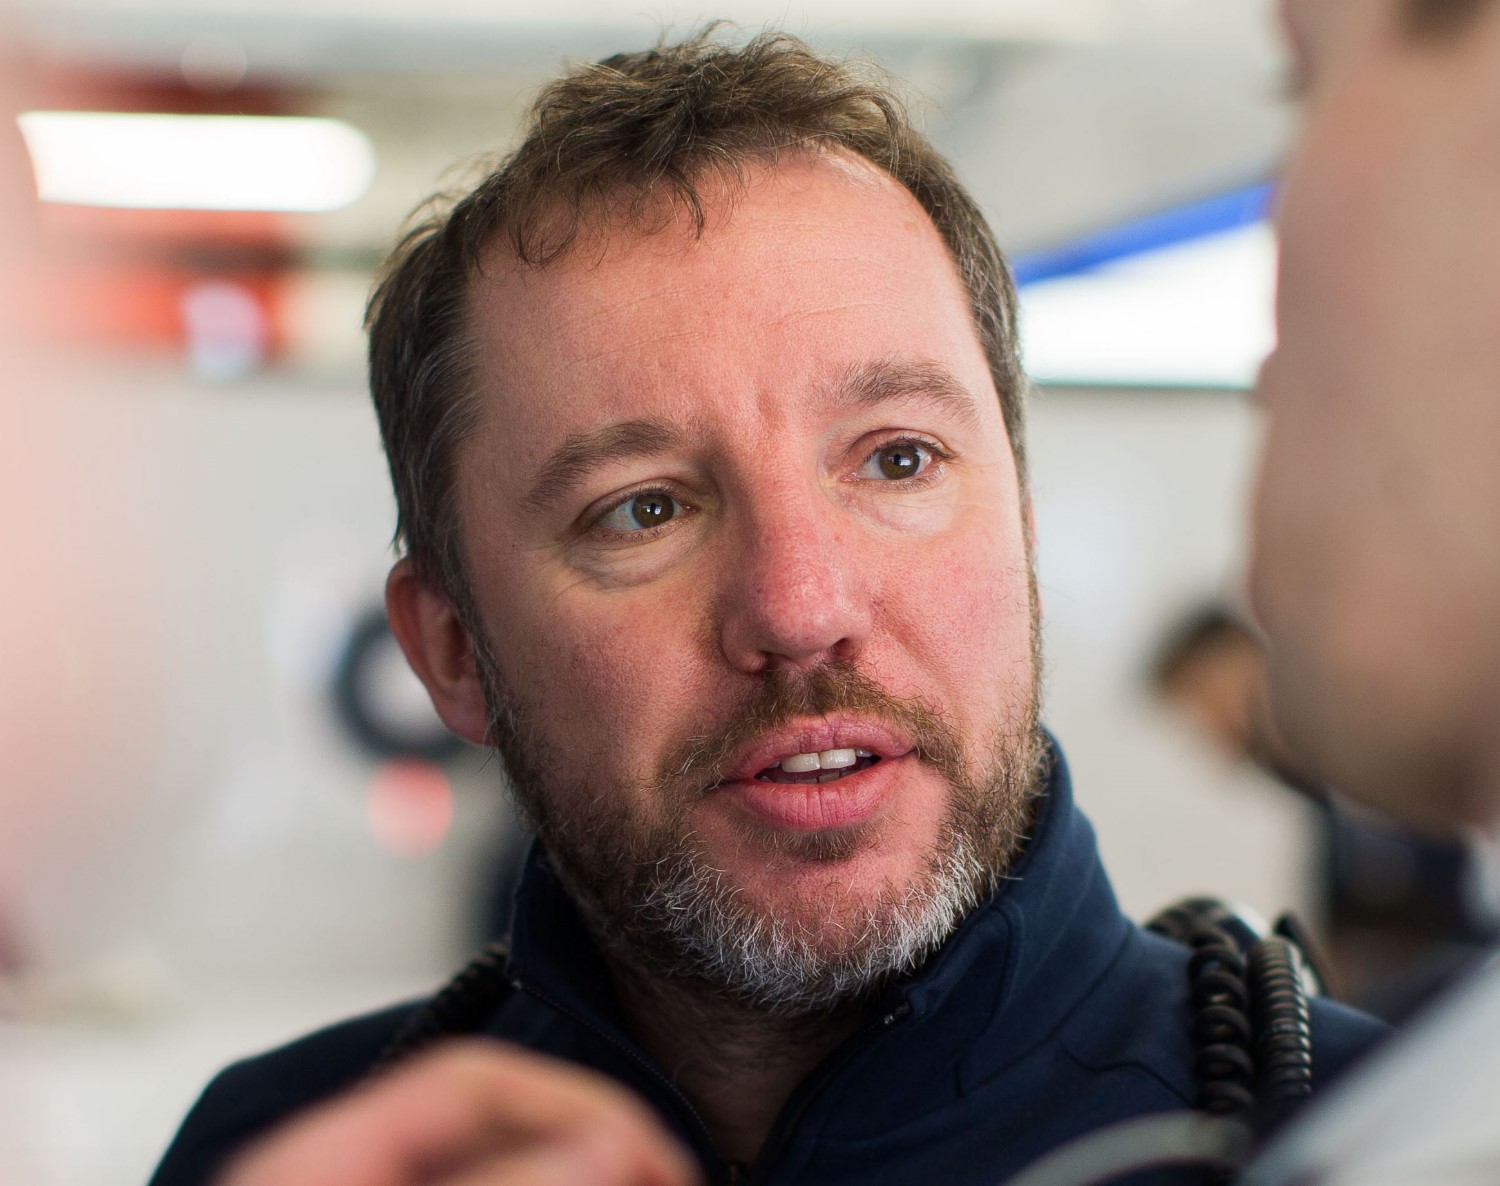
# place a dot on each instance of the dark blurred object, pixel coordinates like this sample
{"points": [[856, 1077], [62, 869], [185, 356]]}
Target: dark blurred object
{"points": [[1404, 912], [1400, 913], [1210, 667], [381, 703], [387, 715]]}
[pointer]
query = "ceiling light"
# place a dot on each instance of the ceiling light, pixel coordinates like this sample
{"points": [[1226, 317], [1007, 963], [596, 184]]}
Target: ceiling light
{"points": [[296, 164]]}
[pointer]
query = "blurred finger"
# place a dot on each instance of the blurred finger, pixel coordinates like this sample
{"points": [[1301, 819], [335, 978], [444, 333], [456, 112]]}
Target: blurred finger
{"points": [[452, 1108]]}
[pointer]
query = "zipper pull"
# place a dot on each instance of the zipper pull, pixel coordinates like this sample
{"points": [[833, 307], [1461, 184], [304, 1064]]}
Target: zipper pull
{"points": [[737, 1174]]}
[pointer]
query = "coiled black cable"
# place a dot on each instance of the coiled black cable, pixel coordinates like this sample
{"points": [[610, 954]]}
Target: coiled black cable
{"points": [[1251, 1020], [1221, 1024], [1220, 999], [1283, 1042]]}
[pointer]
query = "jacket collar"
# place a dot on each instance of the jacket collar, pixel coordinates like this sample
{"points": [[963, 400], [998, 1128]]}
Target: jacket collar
{"points": [[1033, 949]]}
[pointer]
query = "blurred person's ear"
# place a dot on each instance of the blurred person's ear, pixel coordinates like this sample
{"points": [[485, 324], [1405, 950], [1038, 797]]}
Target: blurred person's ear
{"points": [[431, 635]]}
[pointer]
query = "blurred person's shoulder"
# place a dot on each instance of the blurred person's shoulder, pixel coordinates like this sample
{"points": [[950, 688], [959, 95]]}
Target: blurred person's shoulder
{"points": [[1421, 1112], [249, 1097]]}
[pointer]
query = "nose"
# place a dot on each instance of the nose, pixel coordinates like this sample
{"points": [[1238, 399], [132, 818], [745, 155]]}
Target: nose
{"points": [[795, 592]]}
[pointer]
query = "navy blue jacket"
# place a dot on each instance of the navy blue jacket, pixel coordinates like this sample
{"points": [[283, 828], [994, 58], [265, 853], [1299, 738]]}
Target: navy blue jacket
{"points": [[1046, 1015]]}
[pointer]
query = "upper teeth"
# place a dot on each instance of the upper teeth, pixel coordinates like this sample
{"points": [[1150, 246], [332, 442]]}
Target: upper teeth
{"points": [[829, 759]]}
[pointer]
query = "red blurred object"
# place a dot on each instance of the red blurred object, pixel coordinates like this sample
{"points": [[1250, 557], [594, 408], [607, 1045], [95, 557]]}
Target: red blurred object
{"points": [[410, 807], [120, 304], [127, 279]]}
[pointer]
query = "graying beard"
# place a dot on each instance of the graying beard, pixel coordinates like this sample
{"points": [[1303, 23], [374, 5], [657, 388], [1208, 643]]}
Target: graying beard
{"points": [[671, 913], [769, 965]]}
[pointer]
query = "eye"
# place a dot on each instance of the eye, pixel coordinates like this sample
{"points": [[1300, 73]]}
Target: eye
{"points": [[641, 512], [898, 461]]}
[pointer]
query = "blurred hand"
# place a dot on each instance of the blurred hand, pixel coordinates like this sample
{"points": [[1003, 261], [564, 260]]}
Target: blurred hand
{"points": [[472, 1114]]}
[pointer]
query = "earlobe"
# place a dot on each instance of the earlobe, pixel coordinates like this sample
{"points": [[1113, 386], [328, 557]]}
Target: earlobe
{"points": [[436, 644]]}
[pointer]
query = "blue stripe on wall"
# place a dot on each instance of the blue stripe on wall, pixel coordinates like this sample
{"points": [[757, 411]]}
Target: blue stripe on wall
{"points": [[1223, 212]]}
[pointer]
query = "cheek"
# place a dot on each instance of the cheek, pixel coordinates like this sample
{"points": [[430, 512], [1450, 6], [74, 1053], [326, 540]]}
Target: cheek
{"points": [[961, 615], [603, 676]]}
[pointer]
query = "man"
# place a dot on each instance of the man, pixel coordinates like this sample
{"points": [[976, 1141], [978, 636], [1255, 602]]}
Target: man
{"points": [[704, 417], [1377, 566]]}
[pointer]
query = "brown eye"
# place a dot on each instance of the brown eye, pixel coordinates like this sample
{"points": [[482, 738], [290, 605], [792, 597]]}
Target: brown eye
{"points": [[649, 508], [899, 461]]}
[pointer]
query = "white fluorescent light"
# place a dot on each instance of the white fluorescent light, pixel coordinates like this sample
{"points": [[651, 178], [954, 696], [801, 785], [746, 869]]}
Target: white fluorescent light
{"points": [[1195, 314], [296, 164]]}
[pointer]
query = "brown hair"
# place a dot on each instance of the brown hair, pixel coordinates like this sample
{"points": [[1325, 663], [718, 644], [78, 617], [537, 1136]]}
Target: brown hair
{"points": [[1438, 18], [603, 143]]}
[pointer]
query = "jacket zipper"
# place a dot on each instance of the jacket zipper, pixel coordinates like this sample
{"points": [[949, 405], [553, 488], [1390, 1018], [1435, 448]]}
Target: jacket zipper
{"points": [[729, 1171], [732, 1173], [807, 1091]]}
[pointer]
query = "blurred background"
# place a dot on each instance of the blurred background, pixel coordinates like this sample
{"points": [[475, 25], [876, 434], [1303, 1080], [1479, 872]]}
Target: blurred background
{"points": [[226, 812]]}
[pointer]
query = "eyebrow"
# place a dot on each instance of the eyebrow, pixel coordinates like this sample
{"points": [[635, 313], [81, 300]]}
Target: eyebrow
{"points": [[584, 452], [864, 385], [870, 384]]}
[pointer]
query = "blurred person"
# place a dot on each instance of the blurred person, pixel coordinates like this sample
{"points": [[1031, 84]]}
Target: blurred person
{"points": [[1211, 668], [1377, 521], [704, 416], [1398, 911], [78, 684]]}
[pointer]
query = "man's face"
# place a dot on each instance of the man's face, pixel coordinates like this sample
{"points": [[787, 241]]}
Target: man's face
{"points": [[740, 498], [1377, 552]]}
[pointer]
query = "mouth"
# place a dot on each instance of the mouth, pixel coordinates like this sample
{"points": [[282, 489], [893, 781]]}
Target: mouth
{"points": [[786, 779], [819, 767], [817, 750]]}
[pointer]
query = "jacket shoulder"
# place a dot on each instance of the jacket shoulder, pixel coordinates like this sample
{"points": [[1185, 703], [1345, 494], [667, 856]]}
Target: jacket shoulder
{"points": [[1148, 1019], [1341, 1036], [249, 1097]]}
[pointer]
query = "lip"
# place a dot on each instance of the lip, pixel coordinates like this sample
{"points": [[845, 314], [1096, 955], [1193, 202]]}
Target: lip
{"points": [[814, 737], [845, 803], [820, 807]]}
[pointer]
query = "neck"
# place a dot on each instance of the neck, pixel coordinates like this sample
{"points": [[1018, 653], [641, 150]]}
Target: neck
{"points": [[737, 1065]]}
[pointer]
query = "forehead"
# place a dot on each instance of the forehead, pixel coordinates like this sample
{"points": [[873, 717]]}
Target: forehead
{"points": [[806, 268]]}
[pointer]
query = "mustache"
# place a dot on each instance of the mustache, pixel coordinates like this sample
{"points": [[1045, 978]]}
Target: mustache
{"points": [[784, 696]]}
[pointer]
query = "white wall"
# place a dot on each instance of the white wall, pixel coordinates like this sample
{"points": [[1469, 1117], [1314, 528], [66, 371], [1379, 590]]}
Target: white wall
{"points": [[1140, 516], [251, 855]]}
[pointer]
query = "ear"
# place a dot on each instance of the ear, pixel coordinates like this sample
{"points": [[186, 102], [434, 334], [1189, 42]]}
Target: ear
{"points": [[437, 646]]}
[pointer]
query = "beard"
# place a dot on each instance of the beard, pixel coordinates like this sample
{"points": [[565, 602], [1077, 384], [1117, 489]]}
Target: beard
{"points": [[654, 899]]}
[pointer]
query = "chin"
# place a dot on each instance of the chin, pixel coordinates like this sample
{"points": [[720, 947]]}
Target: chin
{"points": [[894, 843], [827, 883]]}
